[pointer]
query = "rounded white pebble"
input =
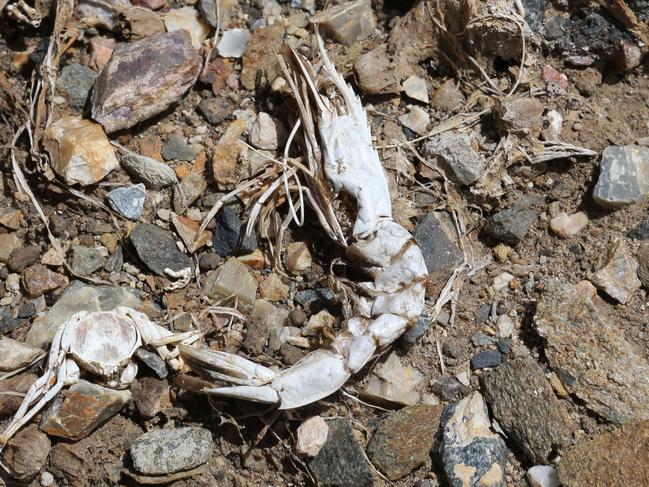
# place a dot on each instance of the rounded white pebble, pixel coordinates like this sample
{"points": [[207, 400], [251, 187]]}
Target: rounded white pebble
{"points": [[543, 476], [311, 435], [47, 479]]}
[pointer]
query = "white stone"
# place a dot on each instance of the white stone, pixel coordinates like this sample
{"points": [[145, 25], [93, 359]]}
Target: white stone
{"points": [[233, 43], [416, 120], [543, 476], [501, 281], [505, 326], [189, 19], [14, 354], [311, 435], [267, 133], [415, 87], [566, 226]]}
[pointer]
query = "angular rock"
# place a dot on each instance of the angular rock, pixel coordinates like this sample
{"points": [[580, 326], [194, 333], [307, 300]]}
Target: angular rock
{"points": [[313, 300], [341, 461], [8, 243], [229, 235], [79, 151], [14, 354], [486, 359], [416, 120], [106, 448], [20, 383], [84, 407], [617, 274], [297, 258], [348, 22], [403, 440], [323, 320], [376, 73], [414, 334], [128, 201], [11, 219], [267, 133], [38, 280], [150, 396], [25, 454], [154, 174], [591, 357], [23, 257], [543, 476], [521, 116], [524, 405], [273, 289], [611, 459], [76, 80], [510, 226], [144, 78], [471, 453], [394, 383], [436, 236], [623, 177], [454, 154], [171, 450], [188, 191], [85, 260], [153, 361], [216, 110], [447, 96], [189, 233], [233, 43], [189, 20], [101, 49], [78, 297], [232, 280], [260, 56], [266, 321], [175, 148], [157, 249], [415, 87], [311, 436], [566, 226]]}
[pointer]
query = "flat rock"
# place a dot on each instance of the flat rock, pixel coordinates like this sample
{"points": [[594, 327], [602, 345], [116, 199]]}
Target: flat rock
{"points": [[520, 115], [8, 243], [260, 58], [510, 226], [394, 383], [153, 361], [23, 257], [189, 190], [454, 153], [591, 357], [85, 260], [216, 110], [106, 446], [523, 403], [189, 20], [616, 459], [416, 120], [403, 440], [471, 453], [486, 359], [144, 78], [25, 454], [78, 297], [617, 273], [15, 354], [436, 236], [229, 235], [349, 22], [76, 80], [79, 151], [267, 133], [156, 247], [233, 43], [83, 408], [39, 280], [171, 450], [20, 383], [175, 148], [273, 289], [415, 88], [341, 461], [232, 280], [154, 174], [128, 201], [150, 396], [265, 321], [623, 177], [376, 72]]}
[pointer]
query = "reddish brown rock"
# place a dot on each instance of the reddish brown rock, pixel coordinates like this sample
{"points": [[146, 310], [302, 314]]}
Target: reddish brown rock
{"points": [[144, 78], [150, 396], [38, 280], [260, 57], [18, 383]]}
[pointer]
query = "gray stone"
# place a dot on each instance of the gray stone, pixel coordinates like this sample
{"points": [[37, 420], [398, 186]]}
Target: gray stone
{"points": [[341, 461], [617, 275], [154, 174], [157, 249], [348, 22], [510, 226], [482, 340], [216, 110], [534, 13], [188, 191], [84, 407], [26, 453], [78, 297], [23, 257], [436, 237], [233, 43], [171, 450], [175, 148], [414, 334], [153, 361], [315, 300], [232, 280], [207, 8], [76, 80], [641, 231], [523, 403], [85, 260], [471, 453], [486, 359], [229, 235], [143, 78], [453, 153], [590, 354], [624, 176], [128, 201], [449, 388], [14, 354], [114, 262]]}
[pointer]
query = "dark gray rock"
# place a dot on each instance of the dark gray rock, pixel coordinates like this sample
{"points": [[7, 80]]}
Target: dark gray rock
{"points": [[153, 361], [23, 257], [85, 260], [412, 336], [114, 262], [482, 314], [157, 249], [207, 8], [523, 403], [534, 13], [449, 388], [208, 261], [315, 300], [504, 345], [175, 148], [76, 80], [486, 359], [216, 110], [229, 236], [471, 453], [510, 226], [171, 450], [452, 151], [7, 320], [623, 177], [436, 237], [640, 232], [341, 461], [154, 174], [143, 78], [128, 201]]}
